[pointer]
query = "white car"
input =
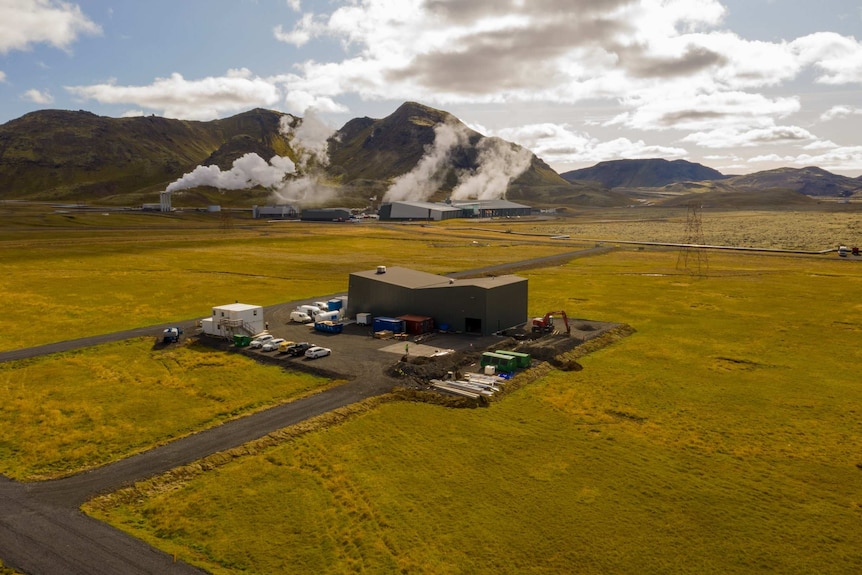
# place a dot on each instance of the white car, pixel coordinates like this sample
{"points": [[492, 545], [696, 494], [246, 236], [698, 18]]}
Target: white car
{"points": [[259, 341], [272, 344], [317, 351]]}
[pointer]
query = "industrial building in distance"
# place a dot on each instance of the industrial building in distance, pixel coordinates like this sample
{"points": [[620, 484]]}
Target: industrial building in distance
{"points": [[434, 211], [403, 211], [481, 306]]}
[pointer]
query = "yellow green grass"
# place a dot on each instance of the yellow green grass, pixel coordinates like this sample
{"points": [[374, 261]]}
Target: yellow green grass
{"points": [[67, 412], [722, 437], [74, 283]]}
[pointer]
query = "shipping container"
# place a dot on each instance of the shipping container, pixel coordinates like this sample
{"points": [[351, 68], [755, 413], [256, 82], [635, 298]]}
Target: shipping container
{"points": [[523, 359], [389, 324], [501, 362], [417, 324]]}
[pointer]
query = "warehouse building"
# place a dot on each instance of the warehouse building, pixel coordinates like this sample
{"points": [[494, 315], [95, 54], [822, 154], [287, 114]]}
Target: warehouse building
{"points": [[279, 212], [428, 211], [478, 305], [437, 211], [492, 209], [325, 215]]}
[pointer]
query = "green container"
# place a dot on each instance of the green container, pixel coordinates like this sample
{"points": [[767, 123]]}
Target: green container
{"points": [[241, 340]]}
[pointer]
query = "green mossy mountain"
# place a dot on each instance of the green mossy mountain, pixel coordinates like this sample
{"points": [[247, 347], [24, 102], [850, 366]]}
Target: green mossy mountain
{"points": [[368, 154], [79, 156]]}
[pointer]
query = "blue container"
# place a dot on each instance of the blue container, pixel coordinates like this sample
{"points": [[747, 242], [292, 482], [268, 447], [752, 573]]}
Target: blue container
{"points": [[334, 304], [388, 324]]}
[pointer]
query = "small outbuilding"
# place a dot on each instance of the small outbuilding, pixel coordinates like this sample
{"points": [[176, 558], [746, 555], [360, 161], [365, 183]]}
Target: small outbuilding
{"points": [[235, 318]]}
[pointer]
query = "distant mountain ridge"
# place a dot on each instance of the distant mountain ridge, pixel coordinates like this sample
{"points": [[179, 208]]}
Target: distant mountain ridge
{"points": [[659, 173], [649, 173]]}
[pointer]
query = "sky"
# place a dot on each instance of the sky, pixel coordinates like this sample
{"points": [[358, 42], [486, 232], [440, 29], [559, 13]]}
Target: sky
{"points": [[737, 85]]}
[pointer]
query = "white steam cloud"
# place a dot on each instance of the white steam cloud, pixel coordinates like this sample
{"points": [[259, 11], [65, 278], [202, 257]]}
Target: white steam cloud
{"points": [[247, 172], [425, 178], [309, 139], [500, 162], [300, 182]]}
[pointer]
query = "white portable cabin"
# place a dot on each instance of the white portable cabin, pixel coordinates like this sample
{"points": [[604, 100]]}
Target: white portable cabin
{"points": [[235, 318]]}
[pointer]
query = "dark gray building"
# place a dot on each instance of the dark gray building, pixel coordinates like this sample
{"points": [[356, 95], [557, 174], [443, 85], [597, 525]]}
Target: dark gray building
{"points": [[478, 305], [325, 215]]}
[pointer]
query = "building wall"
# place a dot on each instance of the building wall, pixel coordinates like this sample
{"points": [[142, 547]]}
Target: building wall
{"points": [[494, 308]]}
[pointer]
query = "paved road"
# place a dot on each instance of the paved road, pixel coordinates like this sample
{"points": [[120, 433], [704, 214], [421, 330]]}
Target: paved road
{"points": [[42, 530]]}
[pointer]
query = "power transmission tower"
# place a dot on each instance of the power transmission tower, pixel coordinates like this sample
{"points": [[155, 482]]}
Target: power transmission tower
{"points": [[692, 255]]}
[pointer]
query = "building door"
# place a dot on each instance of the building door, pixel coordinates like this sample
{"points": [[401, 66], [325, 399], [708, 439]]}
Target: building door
{"points": [[472, 325]]}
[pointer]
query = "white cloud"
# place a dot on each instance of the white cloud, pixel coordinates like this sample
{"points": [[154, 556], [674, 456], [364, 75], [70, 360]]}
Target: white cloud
{"points": [[838, 159], [684, 110], [838, 57], [27, 22], [562, 144], [37, 97], [177, 97], [2, 76], [740, 137], [838, 112]]}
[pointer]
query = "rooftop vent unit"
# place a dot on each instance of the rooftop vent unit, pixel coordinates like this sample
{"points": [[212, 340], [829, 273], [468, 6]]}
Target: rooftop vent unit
{"points": [[381, 269]]}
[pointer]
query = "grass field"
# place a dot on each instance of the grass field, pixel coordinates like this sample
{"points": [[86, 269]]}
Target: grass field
{"points": [[67, 412], [722, 437], [70, 282]]}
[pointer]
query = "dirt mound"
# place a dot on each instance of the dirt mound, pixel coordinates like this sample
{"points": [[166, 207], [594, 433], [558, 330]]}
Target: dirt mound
{"points": [[418, 370]]}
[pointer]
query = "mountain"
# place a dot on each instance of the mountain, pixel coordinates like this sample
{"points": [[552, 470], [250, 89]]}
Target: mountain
{"points": [[651, 173], [368, 154], [78, 156], [811, 181], [65, 155]]}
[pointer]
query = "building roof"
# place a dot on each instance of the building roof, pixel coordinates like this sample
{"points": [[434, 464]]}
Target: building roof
{"points": [[236, 307], [414, 279], [488, 204], [428, 206]]}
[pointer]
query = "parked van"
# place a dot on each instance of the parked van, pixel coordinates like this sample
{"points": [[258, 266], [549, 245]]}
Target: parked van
{"points": [[300, 317], [322, 305], [843, 251]]}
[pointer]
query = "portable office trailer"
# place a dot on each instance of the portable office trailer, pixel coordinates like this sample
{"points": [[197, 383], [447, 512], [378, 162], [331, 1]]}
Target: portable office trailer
{"points": [[227, 320]]}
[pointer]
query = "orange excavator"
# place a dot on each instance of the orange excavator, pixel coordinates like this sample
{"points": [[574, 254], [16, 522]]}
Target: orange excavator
{"points": [[546, 324]]}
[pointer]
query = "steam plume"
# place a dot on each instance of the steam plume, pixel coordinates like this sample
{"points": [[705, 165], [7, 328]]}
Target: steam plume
{"points": [[309, 138], [500, 162], [425, 178], [248, 171]]}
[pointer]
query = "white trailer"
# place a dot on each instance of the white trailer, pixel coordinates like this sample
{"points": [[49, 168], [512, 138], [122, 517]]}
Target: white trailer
{"points": [[235, 318]]}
